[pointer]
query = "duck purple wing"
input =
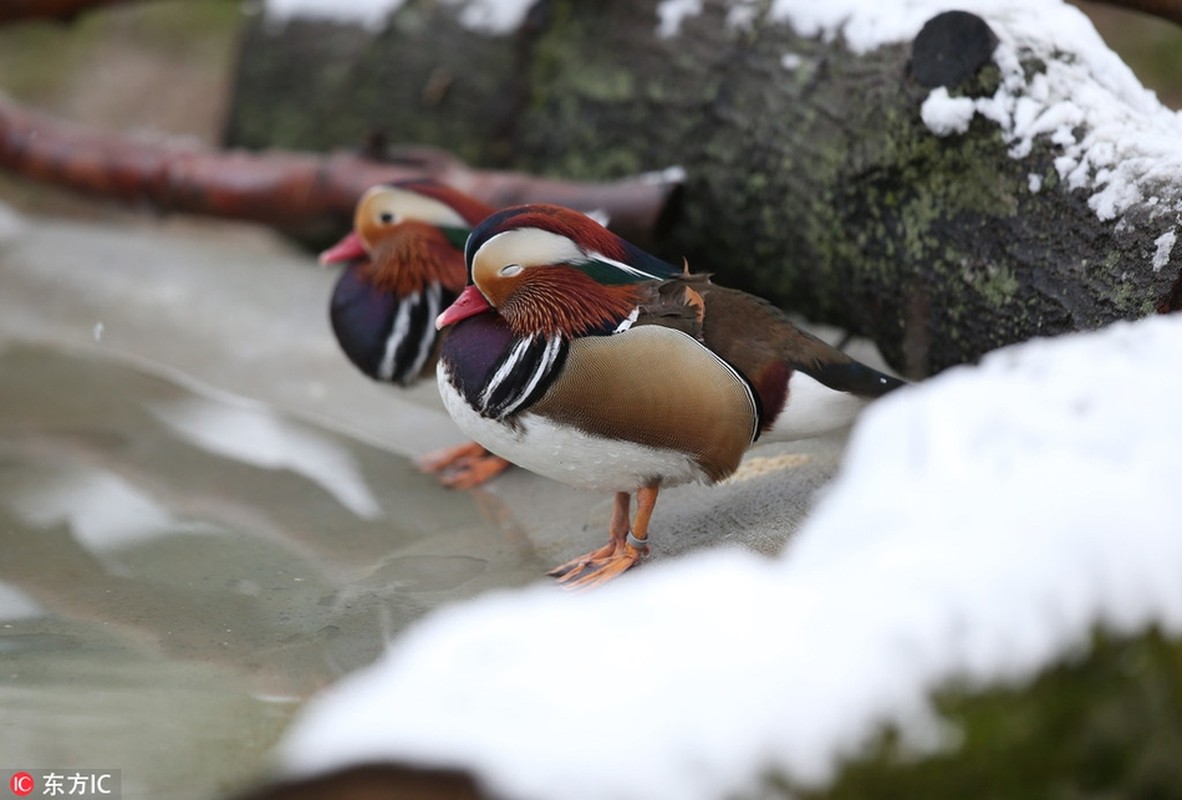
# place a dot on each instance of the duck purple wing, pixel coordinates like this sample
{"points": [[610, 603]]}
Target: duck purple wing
{"points": [[389, 337], [497, 372]]}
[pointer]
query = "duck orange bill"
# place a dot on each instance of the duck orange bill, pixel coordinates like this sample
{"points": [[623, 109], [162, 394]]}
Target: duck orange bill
{"points": [[470, 303], [349, 248]]}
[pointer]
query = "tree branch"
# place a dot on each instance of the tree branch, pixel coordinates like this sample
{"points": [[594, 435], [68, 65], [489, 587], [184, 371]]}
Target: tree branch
{"points": [[297, 192], [66, 10]]}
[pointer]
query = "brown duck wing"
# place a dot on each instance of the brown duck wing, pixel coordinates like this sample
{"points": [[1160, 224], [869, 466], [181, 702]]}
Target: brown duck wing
{"points": [[758, 340], [656, 386], [754, 336], [673, 304]]}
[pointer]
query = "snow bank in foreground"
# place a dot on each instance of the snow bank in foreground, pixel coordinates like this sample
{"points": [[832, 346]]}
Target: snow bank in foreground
{"points": [[982, 523]]}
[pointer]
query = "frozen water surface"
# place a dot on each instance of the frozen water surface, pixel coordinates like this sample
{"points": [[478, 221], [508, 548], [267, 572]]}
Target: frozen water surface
{"points": [[164, 606], [206, 514]]}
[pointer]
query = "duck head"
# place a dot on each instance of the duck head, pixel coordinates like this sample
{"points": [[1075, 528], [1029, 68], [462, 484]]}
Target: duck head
{"points": [[410, 234], [550, 270], [404, 262]]}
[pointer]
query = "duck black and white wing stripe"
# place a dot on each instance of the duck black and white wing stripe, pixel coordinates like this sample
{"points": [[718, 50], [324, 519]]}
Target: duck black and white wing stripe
{"points": [[425, 322], [412, 336], [523, 375]]}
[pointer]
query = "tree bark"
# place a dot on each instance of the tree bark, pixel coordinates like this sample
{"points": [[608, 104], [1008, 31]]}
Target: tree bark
{"points": [[815, 184]]}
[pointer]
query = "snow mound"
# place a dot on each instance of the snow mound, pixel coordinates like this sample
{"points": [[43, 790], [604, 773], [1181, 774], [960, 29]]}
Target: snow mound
{"points": [[982, 524]]}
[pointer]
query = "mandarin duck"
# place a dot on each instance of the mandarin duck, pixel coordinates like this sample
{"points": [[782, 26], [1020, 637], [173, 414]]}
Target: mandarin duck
{"points": [[579, 356], [404, 264]]}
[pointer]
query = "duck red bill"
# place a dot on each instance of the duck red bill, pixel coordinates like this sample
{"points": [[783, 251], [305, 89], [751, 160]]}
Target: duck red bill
{"points": [[470, 303], [349, 248]]}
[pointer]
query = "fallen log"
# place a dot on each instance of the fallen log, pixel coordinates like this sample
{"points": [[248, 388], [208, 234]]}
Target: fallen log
{"points": [[944, 183]]}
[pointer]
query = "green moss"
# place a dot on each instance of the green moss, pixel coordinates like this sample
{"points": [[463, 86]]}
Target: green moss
{"points": [[1131, 299], [588, 101], [997, 284], [604, 84], [916, 219], [921, 185], [1107, 725]]}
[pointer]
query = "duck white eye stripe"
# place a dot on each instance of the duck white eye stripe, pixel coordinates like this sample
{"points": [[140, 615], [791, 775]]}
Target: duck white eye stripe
{"points": [[620, 265], [397, 335]]}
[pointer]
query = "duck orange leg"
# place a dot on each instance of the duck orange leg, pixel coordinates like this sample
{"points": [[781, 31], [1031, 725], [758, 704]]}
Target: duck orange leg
{"points": [[463, 467], [625, 547], [617, 532]]}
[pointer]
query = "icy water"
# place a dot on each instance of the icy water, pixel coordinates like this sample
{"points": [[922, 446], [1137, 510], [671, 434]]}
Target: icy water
{"points": [[206, 514], [171, 561]]}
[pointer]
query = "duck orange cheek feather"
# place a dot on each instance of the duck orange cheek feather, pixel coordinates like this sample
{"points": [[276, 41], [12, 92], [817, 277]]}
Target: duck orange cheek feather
{"points": [[470, 303]]}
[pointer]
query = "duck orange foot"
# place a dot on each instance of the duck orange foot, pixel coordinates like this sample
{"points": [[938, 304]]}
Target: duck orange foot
{"points": [[623, 550], [596, 568], [463, 467]]}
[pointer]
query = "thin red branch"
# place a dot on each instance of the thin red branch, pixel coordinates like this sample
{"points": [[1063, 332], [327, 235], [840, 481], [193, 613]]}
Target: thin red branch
{"points": [[20, 10], [288, 190]]}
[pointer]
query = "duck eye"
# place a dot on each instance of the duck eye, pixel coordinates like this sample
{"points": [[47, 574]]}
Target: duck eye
{"points": [[386, 217], [509, 270]]}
